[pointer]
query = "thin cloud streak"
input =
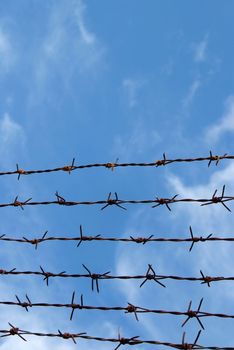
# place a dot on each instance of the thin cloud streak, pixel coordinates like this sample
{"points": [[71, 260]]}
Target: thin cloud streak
{"points": [[7, 54], [223, 125], [192, 91], [200, 50]]}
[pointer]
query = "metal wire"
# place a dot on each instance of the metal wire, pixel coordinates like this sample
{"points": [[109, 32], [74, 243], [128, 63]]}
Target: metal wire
{"points": [[110, 201], [130, 308], [119, 340], [131, 239], [96, 277], [112, 165]]}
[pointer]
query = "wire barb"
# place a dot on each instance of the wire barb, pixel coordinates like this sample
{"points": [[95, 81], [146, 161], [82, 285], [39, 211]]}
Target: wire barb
{"points": [[86, 238], [69, 168], [215, 199], [19, 171], [206, 279], [49, 274], [132, 309], [187, 346], [142, 240], [151, 275], [17, 203], [215, 159], [126, 341], [192, 314], [14, 331], [112, 201], [76, 306], [166, 201], [36, 241], [24, 304], [60, 199], [163, 161], [95, 277], [112, 165], [197, 239]]}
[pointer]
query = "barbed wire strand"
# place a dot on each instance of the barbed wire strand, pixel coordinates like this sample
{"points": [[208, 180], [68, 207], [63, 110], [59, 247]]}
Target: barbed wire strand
{"points": [[110, 201], [130, 308], [119, 340], [150, 275], [131, 239], [109, 165]]}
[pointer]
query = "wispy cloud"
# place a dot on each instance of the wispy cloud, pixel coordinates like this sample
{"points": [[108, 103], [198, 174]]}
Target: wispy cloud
{"points": [[88, 37], [208, 219], [12, 137], [200, 50], [67, 49], [7, 55], [225, 124], [141, 139], [131, 88], [192, 91]]}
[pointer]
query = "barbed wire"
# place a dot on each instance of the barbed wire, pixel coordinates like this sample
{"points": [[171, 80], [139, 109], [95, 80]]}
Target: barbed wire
{"points": [[110, 201], [131, 239], [150, 275], [120, 340], [112, 165], [129, 309]]}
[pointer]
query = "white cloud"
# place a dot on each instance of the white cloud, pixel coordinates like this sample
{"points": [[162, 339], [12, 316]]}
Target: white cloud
{"points": [[131, 87], [175, 258], [12, 137], [192, 91], [87, 37], [200, 50], [6, 52], [139, 141], [68, 47], [225, 124], [209, 219]]}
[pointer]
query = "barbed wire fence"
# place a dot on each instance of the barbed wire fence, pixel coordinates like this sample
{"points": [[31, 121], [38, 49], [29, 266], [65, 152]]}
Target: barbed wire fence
{"points": [[149, 275]]}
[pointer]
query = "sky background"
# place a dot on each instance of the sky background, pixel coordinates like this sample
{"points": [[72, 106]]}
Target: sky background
{"points": [[100, 80]]}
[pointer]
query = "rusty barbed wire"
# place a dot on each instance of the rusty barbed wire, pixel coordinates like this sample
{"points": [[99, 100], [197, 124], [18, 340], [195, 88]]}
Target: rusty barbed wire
{"points": [[128, 309], [222, 199], [131, 239], [150, 275], [112, 165], [120, 340]]}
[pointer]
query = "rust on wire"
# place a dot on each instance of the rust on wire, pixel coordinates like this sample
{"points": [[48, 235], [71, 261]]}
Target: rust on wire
{"points": [[130, 308], [69, 168], [13, 331], [166, 201], [119, 340], [98, 238], [192, 314], [149, 276], [85, 238], [126, 341], [113, 201], [119, 202], [219, 199], [187, 346], [160, 162], [17, 203], [95, 277], [197, 239], [75, 306], [216, 159], [112, 165]]}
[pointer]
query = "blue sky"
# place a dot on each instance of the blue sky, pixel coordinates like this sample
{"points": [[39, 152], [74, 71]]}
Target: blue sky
{"points": [[100, 80]]}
